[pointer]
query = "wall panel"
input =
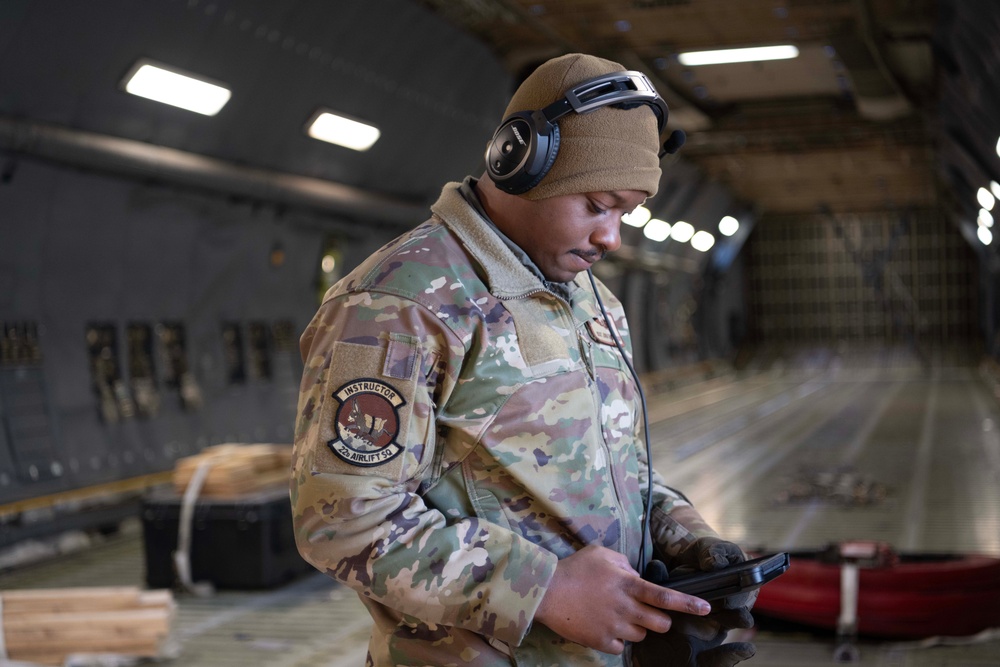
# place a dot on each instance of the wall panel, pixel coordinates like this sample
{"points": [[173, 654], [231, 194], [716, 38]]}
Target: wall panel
{"points": [[876, 279]]}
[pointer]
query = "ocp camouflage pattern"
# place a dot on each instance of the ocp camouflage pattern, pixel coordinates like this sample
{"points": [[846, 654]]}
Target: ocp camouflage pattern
{"points": [[460, 428]]}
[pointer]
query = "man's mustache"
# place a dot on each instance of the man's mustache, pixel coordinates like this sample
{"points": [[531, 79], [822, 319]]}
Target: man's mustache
{"points": [[593, 255]]}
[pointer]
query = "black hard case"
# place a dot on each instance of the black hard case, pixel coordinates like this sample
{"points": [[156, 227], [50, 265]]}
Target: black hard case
{"points": [[244, 542]]}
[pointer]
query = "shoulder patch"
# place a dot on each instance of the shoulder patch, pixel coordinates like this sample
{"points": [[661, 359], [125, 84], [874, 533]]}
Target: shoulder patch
{"points": [[367, 423]]}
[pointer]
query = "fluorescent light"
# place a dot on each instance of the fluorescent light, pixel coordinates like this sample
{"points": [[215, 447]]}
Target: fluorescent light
{"points": [[729, 225], [985, 235], [995, 189], [998, 146], [637, 218], [746, 55], [656, 230], [176, 88], [682, 231], [343, 131], [985, 219], [702, 241], [985, 199]]}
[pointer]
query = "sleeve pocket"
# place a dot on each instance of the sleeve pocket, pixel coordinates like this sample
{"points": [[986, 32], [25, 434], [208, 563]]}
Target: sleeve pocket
{"points": [[367, 424]]}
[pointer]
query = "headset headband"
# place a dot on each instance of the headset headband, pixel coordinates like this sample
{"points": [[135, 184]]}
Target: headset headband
{"points": [[619, 89], [525, 145]]}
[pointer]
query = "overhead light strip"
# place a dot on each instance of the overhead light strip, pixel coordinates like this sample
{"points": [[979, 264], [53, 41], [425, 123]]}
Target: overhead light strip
{"points": [[175, 87], [745, 55], [987, 200]]}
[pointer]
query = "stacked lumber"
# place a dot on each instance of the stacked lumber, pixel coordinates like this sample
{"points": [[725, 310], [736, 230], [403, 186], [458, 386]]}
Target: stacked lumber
{"points": [[236, 469], [44, 626]]}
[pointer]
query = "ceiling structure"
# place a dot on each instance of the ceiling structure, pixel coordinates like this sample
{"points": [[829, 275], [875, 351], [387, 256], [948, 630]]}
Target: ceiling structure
{"points": [[62, 98], [847, 125], [889, 105]]}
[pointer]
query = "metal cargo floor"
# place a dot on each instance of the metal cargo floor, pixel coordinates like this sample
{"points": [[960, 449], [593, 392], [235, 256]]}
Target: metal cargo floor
{"points": [[764, 456]]}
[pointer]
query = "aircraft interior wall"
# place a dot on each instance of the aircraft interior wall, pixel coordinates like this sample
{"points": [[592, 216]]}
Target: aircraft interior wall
{"points": [[142, 323]]}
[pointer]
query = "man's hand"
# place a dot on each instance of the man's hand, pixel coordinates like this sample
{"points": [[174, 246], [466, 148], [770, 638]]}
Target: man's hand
{"points": [[596, 599]]}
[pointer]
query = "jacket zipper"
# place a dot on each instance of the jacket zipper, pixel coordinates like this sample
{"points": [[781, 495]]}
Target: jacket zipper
{"points": [[588, 362]]}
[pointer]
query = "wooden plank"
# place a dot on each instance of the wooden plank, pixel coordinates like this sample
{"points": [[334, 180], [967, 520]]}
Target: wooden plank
{"points": [[70, 599], [91, 620], [137, 643], [157, 598], [41, 636], [45, 625], [46, 656]]}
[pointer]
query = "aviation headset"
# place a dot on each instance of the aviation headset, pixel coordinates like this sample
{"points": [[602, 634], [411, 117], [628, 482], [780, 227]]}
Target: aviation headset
{"points": [[525, 145]]}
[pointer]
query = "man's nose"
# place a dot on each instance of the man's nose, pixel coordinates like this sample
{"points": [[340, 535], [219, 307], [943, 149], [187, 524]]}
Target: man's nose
{"points": [[608, 234]]}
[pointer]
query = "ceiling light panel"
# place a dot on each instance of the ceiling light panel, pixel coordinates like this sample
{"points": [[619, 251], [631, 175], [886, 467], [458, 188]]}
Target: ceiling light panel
{"points": [[985, 236], [702, 241], [682, 231], [637, 218], [169, 85], [985, 199], [338, 129], [813, 72], [729, 225], [657, 230], [751, 54]]}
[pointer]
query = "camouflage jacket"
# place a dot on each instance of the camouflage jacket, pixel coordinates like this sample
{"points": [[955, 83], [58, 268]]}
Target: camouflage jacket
{"points": [[460, 428]]}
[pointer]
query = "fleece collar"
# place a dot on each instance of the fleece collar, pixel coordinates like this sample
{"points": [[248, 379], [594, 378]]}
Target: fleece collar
{"points": [[506, 274]]}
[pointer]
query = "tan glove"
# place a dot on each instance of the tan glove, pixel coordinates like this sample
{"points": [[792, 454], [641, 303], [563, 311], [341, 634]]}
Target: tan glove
{"points": [[709, 553]]}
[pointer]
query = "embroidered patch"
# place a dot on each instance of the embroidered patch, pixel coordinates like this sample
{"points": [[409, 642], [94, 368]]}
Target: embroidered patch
{"points": [[367, 423], [599, 331]]}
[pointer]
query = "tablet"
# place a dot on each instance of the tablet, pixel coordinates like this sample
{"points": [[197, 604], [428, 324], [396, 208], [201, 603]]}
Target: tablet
{"points": [[746, 576]]}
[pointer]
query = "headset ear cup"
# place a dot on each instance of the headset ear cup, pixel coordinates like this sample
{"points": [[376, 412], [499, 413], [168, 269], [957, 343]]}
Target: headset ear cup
{"points": [[550, 158], [512, 151], [521, 151]]}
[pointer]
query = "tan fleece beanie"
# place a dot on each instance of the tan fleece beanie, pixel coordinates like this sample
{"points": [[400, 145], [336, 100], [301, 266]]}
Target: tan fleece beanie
{"points": [[607, 149]]}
